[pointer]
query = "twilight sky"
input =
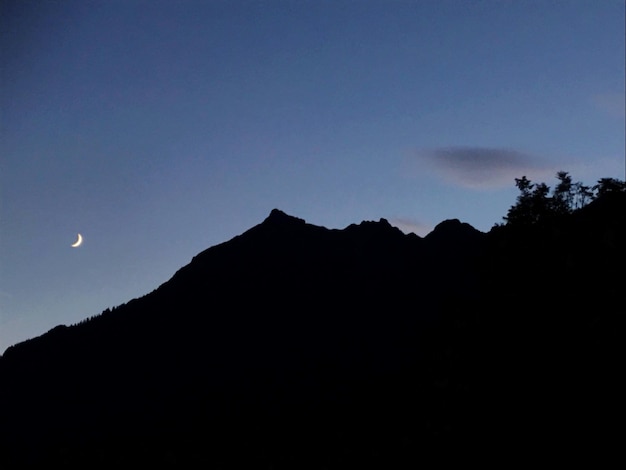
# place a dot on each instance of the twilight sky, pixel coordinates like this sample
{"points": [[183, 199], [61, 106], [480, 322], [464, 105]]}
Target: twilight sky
{"points": [[160, 128]]}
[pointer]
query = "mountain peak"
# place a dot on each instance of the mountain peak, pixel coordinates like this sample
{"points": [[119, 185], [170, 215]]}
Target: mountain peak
{"points": [[453, 230], [279, 217], [380, 225]]}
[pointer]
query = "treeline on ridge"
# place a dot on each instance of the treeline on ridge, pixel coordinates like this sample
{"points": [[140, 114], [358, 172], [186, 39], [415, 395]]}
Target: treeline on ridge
{"points": [[536, 204]]}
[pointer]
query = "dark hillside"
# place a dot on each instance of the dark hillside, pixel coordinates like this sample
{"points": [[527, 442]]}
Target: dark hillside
{"points": [[279, 332], [542, 343]]}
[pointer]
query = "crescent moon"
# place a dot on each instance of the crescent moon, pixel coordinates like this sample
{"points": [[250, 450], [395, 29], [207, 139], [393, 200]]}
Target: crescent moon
{"points": [[78, 242]]}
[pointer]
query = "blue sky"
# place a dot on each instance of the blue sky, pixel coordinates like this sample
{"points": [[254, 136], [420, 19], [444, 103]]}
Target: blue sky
{"points": [[160, 128]]}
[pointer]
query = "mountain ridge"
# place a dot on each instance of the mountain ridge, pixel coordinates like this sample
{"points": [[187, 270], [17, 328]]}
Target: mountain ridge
{"points": [[274, 334]]}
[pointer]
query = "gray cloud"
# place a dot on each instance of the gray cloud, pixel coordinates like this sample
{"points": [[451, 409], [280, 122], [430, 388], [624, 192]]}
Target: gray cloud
{"points": [[483, 167]]}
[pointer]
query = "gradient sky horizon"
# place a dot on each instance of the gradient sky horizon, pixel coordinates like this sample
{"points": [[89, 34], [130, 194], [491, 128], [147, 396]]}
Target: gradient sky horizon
{"points": [[159, 128]]}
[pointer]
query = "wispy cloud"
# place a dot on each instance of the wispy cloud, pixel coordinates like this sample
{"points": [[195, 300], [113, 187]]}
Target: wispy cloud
{"points": [[611, 103], [483, 167], [411, 226]]}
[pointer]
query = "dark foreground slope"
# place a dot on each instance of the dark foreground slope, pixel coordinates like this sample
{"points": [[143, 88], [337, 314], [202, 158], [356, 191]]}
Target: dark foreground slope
{"points": [[552, 309], [295, 346], [540, 348]]}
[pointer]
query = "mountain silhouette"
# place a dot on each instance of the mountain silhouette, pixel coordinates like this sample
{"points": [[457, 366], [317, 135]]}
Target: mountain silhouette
{"points": [[297, 346]]}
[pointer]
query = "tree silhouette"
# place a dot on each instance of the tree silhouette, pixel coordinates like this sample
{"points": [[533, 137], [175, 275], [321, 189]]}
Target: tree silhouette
{"points": [[563, 195], [520, 212], [535, 204], [531, 204], [582, 195], [609, 185]]}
